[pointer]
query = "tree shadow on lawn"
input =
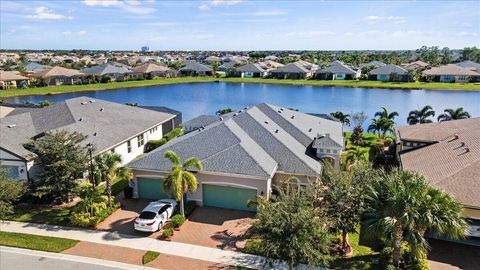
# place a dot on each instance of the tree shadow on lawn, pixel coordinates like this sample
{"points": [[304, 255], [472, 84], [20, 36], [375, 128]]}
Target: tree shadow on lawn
{"points": [[364, 262]]}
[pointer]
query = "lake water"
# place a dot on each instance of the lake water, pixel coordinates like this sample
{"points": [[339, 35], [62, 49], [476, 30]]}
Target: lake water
{"points": [[193, 99]]}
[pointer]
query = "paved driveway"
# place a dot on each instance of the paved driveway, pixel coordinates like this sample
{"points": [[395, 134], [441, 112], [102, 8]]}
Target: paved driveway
{"points": [[445, 255], [215, 227]]}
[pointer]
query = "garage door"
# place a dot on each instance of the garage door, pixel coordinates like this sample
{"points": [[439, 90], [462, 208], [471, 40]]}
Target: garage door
{"points": [[228, 197], [151, 188]]}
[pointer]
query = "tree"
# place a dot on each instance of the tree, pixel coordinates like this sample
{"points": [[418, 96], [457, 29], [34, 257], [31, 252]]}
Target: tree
{"points": [[344, 118], [400, 209], [420, 116], [447, 56], [10, 191], [180, 181], [355, 155], [108, 168], [453, 114], [357, 136], [385, 114], [63, 161], [224, 111], [289, 229]]}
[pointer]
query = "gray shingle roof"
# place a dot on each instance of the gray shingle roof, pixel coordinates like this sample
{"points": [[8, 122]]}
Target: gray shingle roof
{"points": [[113, 125], [196, 67], [389, 69], [34, 67], [255, 142], [105, 69], [251, 68], [469, 64], [337, 67], [291, 68]]}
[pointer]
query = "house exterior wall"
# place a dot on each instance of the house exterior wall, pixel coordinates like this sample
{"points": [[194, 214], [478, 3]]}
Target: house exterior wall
{"points": [[262, 186], [14, 165], [473, 213]]}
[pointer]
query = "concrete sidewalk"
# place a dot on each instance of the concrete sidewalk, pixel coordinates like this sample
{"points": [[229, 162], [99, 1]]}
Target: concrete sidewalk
{"points": [[143, 243]]}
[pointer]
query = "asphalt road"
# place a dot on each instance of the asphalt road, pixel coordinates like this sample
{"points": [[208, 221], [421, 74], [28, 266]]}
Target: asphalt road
{"points": [[21, 259]]}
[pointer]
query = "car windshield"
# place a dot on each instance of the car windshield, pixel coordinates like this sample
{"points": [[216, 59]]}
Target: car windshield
{"points": [[147, 215], [164, 208]]}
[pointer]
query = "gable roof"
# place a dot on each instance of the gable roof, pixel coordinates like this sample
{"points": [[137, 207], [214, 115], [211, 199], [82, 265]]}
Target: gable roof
{"points": [[337, 67], [34, 66], [450, 69], [105, 123], [389, 69], [11, 76], [265, 137], [469, 64], [416, 63], [150, 67], [57, 71], [291, 68], [452, 163], [251, 68], [196, 67], [105, 69]]}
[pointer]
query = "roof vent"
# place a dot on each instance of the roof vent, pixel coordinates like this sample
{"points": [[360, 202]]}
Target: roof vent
{"points": [[80, 119], [221, 118], [235, 114], [276, 130], [279, 111], [11, 126], [266, 122], [310, 130], [95, 134], [467, 149], [462, 144], [102, 109], [455, 136], [240, 111], [245, 108], [293, 116], [83, 103], [91, 100]]}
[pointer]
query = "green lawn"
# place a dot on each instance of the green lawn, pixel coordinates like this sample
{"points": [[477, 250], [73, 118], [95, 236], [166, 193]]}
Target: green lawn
{"points": [[369, 141], [117, 186], [28, 241], [149, 256], [163, 81], [361, 259], [41, 214]]}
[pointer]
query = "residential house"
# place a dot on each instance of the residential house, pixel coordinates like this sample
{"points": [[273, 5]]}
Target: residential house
{"points": [[251, 71], [59, 76], [245, 155], [270, 64], [202, 121], [12, 79], [469, 65], [447, 154], [390, 73], [417, 66], [196, 69], [291, 71], [110, 71], [151, 70], [337, 70], [212, 59], [374, 63], [106, 125], [33, 67], [450, 73]]}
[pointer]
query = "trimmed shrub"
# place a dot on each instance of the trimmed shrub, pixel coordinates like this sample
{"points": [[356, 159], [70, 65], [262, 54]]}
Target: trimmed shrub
{"points": [[167, 232], [252, 246], [173, 134], [177, 220], [189, 207], [154, 144]]}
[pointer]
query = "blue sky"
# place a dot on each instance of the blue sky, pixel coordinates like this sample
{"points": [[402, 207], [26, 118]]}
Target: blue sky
{"points": [[238, 24]]}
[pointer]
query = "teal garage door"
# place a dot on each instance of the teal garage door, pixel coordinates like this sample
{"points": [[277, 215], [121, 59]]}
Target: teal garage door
{"points": [[228, 197], [151, 188]]}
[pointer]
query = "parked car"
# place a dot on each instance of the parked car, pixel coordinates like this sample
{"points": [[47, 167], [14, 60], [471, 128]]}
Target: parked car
{"points": [[154, 215]]}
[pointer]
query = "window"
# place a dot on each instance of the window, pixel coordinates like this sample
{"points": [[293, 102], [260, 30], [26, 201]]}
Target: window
{"points": [[328, 151], [335, 151], [462, 78], [129, 147], [140, 140], [293, 186]]}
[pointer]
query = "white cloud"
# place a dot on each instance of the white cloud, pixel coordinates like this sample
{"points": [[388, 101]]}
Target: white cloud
{"points": [[79, 33], [44, 13], [131, 6], [411, 33], [467, 34], [215, 3], [373, 19], [67, 33], [274, 12]]}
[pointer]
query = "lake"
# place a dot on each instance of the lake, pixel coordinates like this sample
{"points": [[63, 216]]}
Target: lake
{"points": [[194, 99]]}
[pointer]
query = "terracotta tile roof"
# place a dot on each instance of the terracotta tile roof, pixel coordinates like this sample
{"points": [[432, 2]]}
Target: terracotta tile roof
{"points": [[11, 76], [57, 71], [150, 67], [450, 69], [453, 163]]}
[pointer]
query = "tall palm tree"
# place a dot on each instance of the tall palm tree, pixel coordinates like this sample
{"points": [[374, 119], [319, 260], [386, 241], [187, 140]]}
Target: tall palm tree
{"points": [[453, 114], [402, 206], [420, 116], [344, 118], [385, 114], [381, 125], [180, 180], [108, 167], [375, 126]]}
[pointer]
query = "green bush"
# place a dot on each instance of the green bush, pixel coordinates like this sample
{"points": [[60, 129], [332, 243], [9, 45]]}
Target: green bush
{"points": [[173, 134], [154, 144], [82, 220], [89, 213], [167, 232], [189, 207], [178, 220], [252, 246], [149, 256]]}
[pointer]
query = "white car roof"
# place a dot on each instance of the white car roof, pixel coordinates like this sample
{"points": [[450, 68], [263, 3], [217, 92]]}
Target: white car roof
{"points": [[157, 205]]}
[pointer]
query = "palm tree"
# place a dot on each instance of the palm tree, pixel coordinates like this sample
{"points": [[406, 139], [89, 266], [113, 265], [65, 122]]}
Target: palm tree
{"points": [[180, 180], [420, 116], [381, 125], [375, 126], [355, 155], [385, 114], [108, 167], [451, 114], [344, 118], [402, 206]]}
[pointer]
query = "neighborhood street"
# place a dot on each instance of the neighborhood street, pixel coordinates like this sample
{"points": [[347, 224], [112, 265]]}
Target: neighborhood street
{"points": [[22, 259]]}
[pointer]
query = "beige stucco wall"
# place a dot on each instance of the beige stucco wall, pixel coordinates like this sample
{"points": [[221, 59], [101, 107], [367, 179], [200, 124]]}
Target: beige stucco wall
{"points": [[260, 185], [471, 213]]}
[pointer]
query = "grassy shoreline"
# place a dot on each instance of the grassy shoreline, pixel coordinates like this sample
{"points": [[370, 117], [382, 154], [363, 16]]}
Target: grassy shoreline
{"points": [[128, 84]]}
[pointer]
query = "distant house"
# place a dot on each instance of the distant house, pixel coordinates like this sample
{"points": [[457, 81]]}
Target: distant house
{"points": [[270, 64], [59, 76], [151, 70], [417, 65], [251, 71], [212, 59], [32, 67], [450, 73], [109, 126], [113, 72], [291, 71], [12, 79], [392, 73], [337, 71], [469, 65], [196, 69], [373, 63]]}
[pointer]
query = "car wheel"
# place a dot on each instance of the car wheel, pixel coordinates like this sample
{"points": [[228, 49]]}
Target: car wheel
{"points": [[160, 226]]}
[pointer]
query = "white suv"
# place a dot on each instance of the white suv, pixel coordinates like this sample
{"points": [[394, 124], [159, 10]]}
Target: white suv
{"points": [[154, 215]]}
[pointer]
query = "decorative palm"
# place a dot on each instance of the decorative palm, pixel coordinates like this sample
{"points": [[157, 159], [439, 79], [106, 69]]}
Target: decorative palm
{"points": [[180, 180], [355, 155], [344, 118], [108, 167], [381, 125], [420, 116], [385, 114], [402, 206], [451, 114]]}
